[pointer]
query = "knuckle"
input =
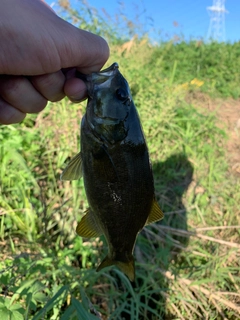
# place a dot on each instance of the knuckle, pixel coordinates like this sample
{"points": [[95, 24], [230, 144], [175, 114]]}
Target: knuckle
{"points": [[9, 86], [50, 85]]}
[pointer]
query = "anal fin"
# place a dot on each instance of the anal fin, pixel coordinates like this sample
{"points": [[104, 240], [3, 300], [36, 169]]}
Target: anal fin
{"points": [[156, 213]]}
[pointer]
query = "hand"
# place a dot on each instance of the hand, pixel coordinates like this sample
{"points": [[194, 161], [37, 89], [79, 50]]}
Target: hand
{"points": [[38, 56]]}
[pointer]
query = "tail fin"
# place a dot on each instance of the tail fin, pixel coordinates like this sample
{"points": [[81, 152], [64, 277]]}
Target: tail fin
{"points": [[127, 268]]}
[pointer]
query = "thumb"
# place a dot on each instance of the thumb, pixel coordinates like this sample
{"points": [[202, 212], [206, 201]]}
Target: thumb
{"points": [[83, 50]]}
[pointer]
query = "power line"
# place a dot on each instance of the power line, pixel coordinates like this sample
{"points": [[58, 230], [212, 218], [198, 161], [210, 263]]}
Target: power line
{"points": [[216, 30]]}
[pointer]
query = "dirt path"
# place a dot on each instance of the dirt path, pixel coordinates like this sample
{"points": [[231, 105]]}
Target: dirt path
{"points": [[228, 113]]}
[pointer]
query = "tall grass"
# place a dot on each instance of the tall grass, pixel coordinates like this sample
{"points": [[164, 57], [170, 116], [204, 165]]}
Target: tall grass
{"points": [[187, 266]]}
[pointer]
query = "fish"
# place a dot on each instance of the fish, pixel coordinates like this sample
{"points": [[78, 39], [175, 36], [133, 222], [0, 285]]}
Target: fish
{"points": [[116, 169]]}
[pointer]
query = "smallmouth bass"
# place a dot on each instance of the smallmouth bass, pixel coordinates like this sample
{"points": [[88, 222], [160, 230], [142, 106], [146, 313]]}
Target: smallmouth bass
{"points": [[114, 163]]}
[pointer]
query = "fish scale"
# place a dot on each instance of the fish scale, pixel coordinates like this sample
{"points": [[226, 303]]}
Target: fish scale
{"points": [[115, 166]]}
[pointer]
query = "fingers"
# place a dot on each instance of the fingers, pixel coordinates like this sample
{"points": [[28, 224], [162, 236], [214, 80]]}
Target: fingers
{"points": [[9, 114], [21, 95], [75, 89], [50, 85], [18, 92]]}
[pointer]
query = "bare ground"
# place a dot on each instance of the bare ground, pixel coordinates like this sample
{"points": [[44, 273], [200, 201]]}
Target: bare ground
{"points": [[228, 115]]}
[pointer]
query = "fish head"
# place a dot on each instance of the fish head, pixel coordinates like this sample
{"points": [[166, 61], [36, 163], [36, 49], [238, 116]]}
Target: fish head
{"points": [[109, 104]]}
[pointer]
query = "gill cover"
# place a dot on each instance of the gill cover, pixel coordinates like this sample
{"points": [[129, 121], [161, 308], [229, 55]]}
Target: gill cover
{"points": [[108, 104]]}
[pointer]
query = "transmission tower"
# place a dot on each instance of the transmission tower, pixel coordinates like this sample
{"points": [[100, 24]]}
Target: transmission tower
{"points": [[216, 30]]}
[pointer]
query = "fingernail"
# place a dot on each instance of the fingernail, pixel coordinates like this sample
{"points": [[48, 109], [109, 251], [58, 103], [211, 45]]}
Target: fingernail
{"points": [[76, 100]]}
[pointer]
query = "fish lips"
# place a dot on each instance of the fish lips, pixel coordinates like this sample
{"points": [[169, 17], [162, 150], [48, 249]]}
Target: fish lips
{"points": [[98, 78], [109, 103], [103, 80]]}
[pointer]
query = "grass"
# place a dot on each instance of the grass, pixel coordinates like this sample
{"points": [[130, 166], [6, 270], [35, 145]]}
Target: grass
{"points": [[187, 266]]}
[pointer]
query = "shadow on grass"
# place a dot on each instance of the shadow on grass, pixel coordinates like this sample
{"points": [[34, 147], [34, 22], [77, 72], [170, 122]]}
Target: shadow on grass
{"points": [[156, 249], [172, 179]]}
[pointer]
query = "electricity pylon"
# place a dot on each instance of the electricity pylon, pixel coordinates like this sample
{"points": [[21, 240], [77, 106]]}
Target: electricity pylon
{"points": [[216, 30]]}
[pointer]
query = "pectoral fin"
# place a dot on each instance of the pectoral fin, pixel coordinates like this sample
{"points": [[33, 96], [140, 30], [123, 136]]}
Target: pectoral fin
{"points": [[88, 227], [73, 171], [127, 268], [156, 213]]}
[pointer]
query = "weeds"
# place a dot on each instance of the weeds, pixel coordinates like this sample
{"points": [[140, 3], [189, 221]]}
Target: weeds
{"points": [[187, 266]]}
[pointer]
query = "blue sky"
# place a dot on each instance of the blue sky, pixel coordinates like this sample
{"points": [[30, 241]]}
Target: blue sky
{"points": [[172, 17]]}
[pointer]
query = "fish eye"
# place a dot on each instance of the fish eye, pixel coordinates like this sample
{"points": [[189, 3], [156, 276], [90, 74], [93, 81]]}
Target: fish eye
{"points": [[122, 94]]}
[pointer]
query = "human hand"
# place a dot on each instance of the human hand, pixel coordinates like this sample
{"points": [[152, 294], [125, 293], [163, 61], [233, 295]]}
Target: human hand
{"points": [[38, 58]]}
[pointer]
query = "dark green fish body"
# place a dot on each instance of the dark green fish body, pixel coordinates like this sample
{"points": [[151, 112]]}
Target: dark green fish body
{"points": [[116, 169]]}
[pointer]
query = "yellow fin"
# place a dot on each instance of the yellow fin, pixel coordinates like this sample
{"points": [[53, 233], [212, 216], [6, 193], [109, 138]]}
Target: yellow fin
{"points": [[155, 213], [88, 227], [73, 171], [127, 268]]}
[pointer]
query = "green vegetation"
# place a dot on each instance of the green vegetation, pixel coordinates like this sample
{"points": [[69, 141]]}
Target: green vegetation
{"points": [[216, 64], [187, 266]]}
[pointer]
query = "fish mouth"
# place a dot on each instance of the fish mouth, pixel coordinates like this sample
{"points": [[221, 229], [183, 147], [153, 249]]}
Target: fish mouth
{"points": [[99, 77], [108, 70]]}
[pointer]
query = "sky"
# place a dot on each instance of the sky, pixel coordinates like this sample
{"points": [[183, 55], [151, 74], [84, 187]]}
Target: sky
{"points": [[163, 19]]}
